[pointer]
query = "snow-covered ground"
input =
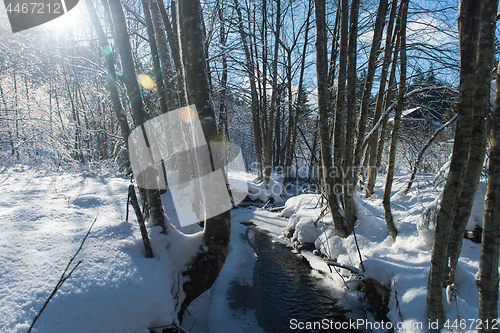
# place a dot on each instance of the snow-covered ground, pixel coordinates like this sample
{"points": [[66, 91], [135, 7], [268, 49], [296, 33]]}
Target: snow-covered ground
{"points": [[44, 217], [402, 265]]}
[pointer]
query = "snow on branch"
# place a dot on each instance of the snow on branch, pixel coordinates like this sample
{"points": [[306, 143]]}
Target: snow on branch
{"points": [[349, 267], [393, 105]]}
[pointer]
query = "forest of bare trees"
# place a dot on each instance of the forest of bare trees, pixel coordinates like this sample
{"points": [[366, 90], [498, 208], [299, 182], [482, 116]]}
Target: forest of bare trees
{"points": [[316, 91]]}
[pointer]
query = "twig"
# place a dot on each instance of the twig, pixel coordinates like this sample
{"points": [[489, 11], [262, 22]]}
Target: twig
{"points": [[128, 202], [424, 148], [335, 267], [355, 240], [396, 297], [64, 277], [169, 328], [193, 324], [348, 267], [268, 201], [140, 220]]}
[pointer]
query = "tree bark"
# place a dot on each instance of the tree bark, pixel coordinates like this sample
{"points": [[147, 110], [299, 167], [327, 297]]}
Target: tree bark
{"points": [[467, 23], [207, 264], [292, 123], [253, 92], [484, 63], [372, 145], [339, 128], [324, 132], [487, 279], [268, 135], [173, 42], [388, 101], [154, 56], [164, 57], [397, 118], [139, 114], [223, 125], [349, 164], [370, 75]]}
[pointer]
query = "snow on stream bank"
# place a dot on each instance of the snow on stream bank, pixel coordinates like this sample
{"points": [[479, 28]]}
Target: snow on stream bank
{"points": [[401, 265]]}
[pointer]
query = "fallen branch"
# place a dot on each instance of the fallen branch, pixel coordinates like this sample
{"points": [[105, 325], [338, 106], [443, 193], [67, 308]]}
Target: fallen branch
{"points": [[63, 277], [172, 328], [336, 264], [140, 220]]}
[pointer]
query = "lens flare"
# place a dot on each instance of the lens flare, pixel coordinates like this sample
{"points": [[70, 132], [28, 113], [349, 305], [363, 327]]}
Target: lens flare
{"points": [[106, 50], [187, 115], [147, 82]]}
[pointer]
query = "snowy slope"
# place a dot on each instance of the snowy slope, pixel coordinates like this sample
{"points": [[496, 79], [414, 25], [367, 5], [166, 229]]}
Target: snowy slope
{"points": [[43, 218]]}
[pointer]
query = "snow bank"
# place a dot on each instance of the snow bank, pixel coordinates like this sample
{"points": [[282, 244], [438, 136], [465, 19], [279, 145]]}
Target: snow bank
{"points": [[43, 218], [275, 189], [402, 265], [303, 212]]}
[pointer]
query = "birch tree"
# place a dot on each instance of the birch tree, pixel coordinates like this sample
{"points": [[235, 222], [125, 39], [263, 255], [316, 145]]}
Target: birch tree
{"points": [[397, 119], [487, 279], [468, 20], [324, 131], [207, 264]]}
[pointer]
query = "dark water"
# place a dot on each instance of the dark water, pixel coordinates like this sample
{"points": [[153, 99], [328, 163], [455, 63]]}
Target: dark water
{"points": [[283, 290]]}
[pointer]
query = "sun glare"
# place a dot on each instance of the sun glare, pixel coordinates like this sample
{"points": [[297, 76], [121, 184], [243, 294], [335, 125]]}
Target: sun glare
{"points": [[71, 22]]}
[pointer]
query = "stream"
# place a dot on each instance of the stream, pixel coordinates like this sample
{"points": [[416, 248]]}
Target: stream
{"points": [[283, 289]]}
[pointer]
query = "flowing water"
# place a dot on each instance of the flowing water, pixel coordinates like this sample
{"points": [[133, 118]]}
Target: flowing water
{"points": [[284, 290]]}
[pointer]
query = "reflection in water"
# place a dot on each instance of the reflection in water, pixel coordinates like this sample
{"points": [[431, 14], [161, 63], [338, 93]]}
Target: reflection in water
{"points": [[283, 289]]}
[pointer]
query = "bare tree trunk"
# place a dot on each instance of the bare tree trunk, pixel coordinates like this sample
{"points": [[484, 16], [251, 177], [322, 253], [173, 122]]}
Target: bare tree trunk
{"points": [[349, 166], [264, 108], [372, 145], [154, 56], [207, 264], [468, 17], [173, 42], [339, 128], [268, 135], [139, 114], [223, 125], [484, 63], [253, 92], [370, 75], [324, 132], [288, 138], [397, 118], [487, 279], [110, 67], [334, 53], [388, 100], [293, 122], [164, 56], [277, 128]]}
